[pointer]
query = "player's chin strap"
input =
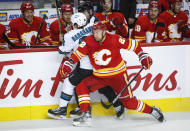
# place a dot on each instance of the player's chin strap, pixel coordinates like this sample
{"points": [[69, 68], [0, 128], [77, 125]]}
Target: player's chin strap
{"points": [[117, 97]]}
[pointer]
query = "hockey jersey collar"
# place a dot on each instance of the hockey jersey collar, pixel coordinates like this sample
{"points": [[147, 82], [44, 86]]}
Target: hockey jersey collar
{"points": [[26, 22]]}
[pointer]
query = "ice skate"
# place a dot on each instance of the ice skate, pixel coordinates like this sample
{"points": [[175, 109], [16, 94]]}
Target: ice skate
{"points": [[156, 113], [57, 113], [84, 120], [75, 113], [120, 112]]}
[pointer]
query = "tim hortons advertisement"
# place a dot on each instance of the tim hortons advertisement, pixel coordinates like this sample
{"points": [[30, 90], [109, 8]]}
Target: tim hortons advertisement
{"points": [[30, 77]]}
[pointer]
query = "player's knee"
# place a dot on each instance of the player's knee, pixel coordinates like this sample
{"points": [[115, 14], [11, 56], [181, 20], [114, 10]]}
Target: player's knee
{"points": [[82, 89]]}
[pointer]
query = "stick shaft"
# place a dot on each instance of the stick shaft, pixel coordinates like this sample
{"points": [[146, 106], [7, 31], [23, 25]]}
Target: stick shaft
{"points": [[127, 86], [40, 28]]}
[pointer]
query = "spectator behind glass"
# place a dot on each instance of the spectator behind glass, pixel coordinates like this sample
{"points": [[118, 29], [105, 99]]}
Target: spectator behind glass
{"points": [[128, 8], [176, 21], [23, 30], [66, 12], [114, 20], [150, 27], [3, 43]]}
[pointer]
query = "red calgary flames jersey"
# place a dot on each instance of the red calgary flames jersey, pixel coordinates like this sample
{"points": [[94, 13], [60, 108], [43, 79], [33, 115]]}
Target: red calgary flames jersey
{"points": [[145, 28], [3, 43], [123, 30], [54, 31], [172, 21], [105, 56], [21, 33]]}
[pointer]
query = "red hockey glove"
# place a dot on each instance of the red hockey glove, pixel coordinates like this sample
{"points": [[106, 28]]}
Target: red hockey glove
{"points": [[66, 68], [145, 59]]}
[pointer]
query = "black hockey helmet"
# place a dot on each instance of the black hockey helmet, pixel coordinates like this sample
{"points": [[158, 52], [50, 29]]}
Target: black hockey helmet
{"points": [[85, 6]]}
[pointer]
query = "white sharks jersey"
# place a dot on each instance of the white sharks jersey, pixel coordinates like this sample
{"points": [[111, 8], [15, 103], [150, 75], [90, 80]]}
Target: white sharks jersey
{"points": [[72, 40]]}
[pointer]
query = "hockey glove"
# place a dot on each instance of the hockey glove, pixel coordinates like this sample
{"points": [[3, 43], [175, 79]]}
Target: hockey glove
{"points": [[183, 27], [145, 59], [66, 68]]}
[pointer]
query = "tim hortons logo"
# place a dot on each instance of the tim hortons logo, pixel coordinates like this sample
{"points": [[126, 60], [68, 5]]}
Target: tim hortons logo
{"points": [[16, 88]]}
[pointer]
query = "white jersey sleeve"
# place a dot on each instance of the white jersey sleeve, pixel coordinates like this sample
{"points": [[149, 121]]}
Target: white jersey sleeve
{"points": [[72, 40], [68, 43]]}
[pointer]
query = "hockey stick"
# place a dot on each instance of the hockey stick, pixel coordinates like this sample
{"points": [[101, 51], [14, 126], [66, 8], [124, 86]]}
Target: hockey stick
{"points": [[59, 21], [20, 46], [117, 97], [39, 30], [157, 24]]}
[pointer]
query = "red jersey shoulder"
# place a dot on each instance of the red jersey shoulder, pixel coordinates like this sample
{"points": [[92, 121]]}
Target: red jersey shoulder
{"points": [[165, 14], [183, 15], [16, 22], [119, 14], [143, 20], [112, 36], [2, 29], [54, 24], [99, 15], [37, 19], [89, 39]]}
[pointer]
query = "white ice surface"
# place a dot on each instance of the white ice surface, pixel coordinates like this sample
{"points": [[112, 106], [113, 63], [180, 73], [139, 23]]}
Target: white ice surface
{"points": [[178, 121]]}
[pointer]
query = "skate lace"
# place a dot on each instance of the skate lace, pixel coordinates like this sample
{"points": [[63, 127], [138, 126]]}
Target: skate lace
{"points": [[117, 109], [57, 109], [156, 113]]}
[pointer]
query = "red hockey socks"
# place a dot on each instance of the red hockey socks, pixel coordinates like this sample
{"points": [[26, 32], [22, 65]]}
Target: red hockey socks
{"points": [[138, 105], [84, 96]]}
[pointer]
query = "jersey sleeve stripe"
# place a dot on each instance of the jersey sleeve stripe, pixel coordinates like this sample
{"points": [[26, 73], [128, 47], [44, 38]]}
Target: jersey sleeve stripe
{"points": [[80, 54], [111, 69], [78, 57], [136, 45], [104, 75], [140, 37], [128, 48], [13, 38], [133, 45]]}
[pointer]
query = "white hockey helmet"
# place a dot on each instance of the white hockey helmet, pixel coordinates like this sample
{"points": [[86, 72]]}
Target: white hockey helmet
{"points": [[79, 19]]}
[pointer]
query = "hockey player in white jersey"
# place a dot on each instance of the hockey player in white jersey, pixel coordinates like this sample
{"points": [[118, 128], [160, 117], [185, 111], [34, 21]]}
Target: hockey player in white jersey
{"points": [[82, 70]]}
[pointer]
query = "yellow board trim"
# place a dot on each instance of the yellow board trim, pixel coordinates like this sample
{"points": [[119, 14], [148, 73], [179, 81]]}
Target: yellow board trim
{"points": [[39, 112]]}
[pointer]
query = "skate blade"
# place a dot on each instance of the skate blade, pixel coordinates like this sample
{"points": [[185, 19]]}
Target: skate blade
{"points": [[164, 120], [60, 117], [120, 117], [78, 124]]}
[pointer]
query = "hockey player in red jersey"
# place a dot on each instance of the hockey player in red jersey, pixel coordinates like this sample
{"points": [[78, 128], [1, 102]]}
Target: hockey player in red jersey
{"points": [[66, 12], [115, 21], [23, 30], [109, 68], [3, 43], [150, 27], [173, 17]]}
